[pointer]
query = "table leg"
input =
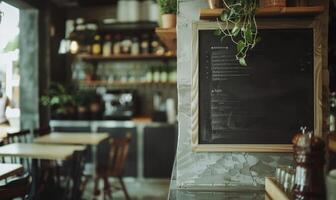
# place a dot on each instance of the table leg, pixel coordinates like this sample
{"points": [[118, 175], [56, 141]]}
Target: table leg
{"points": [[34, 173], [94, 164]]}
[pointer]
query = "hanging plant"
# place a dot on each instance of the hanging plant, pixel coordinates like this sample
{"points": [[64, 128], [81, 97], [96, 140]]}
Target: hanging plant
{"points": [[238, 22]]}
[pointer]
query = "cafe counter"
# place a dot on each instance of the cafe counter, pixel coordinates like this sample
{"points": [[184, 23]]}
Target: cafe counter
{"points": [[152, 148]]}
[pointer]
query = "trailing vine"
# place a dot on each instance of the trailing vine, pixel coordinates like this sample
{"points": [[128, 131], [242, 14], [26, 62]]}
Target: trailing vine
{"points": [[238, 22]]}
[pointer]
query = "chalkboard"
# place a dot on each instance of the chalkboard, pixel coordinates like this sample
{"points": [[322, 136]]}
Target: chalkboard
{"points": [[264, 103]]}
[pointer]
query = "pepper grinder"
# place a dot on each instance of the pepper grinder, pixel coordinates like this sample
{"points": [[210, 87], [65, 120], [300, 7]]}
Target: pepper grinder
{"points": [[309, 157]]}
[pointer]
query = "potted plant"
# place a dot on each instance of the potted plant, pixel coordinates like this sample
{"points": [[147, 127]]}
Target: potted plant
{"points": [[60, 100], [82, 100], [238, 23], [168, 12]]}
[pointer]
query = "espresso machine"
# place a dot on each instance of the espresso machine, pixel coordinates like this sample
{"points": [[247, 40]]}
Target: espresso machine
{"points": [[119, 104]]}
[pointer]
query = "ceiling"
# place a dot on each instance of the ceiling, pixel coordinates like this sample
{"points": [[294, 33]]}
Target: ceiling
{"points": [[84, 3]]}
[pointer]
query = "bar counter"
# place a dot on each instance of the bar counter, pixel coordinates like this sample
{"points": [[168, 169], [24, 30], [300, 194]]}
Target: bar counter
{"points": [[153, 145]]}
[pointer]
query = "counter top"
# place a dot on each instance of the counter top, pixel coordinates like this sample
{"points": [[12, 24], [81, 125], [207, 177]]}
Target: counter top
{"points": [[218, 195], [107, 123], [213, 193]]}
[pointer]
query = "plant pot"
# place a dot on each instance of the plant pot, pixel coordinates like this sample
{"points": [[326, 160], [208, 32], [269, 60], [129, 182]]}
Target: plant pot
{"points": [[215, 4], [168, 21], [272, 3]]}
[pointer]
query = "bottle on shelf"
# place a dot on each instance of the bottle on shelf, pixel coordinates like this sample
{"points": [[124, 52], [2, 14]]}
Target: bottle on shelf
{"points": [[96, 46], [145, 44], [163, 75], [126, 45], [149, 76], [117, 45], [156, 46], [172, 75], [135, 49], [156, 75], [107, 47]]}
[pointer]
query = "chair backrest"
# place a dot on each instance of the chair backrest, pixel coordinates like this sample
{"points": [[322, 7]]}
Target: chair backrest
{"points": [[118, 154], [18, 187], [17, 136]]}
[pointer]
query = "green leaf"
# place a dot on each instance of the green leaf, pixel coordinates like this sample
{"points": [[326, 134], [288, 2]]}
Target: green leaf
{"points": [[240, 45], [235, 30], [242, 62], [224, 16], [222, 39], [217, 32], [249, 36]]}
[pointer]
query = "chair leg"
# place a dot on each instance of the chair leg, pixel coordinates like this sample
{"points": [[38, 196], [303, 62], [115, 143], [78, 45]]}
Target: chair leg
{"points": [[84, 183], [96, 190], [107, 188], [124, 188]]}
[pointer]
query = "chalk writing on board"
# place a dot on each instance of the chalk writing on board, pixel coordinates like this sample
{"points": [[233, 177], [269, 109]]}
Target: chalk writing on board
{"points": [[264, 103]]}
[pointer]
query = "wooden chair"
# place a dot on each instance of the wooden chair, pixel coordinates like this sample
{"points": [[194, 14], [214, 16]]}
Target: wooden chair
{"points": [[16, 188], [22, 136], [114, 167]]}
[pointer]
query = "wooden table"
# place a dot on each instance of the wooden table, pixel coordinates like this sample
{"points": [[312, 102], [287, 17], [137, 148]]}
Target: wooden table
{"points": [[7, 170], [40, 151], [72, 138], [82, 138]]}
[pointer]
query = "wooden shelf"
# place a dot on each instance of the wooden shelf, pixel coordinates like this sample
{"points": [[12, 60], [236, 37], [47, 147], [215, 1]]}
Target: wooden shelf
{"points": [[128, 26], [125, 57], [124, 84], [167, 37], [212, 14]]}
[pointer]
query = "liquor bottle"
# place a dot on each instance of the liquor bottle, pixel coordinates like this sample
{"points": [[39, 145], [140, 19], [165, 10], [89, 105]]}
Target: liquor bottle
{"points": [[96, 46]]}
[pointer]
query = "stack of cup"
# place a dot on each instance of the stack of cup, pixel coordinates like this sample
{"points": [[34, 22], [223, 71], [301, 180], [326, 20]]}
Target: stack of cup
{"points": [[285, 177]]}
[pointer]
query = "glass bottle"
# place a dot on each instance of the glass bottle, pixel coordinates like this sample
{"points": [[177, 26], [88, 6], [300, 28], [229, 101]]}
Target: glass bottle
{"points": [[163, 75], [126, 45], [156, 75], [107, 47], [145, 44], [117, 45], [135, 49], [96, 46]]}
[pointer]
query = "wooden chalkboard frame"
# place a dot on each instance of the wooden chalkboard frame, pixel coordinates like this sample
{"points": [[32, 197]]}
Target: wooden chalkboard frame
{"points": [[303, 23]]}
